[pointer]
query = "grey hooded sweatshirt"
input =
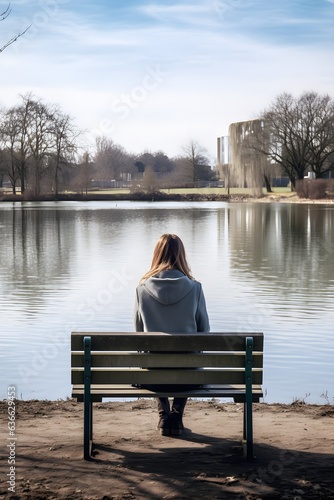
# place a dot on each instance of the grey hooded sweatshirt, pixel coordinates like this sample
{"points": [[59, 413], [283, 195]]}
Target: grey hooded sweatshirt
{"points": [[171, 302]]}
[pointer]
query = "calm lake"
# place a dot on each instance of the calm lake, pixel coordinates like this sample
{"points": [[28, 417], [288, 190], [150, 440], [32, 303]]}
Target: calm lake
{"points": [[68, 266]]}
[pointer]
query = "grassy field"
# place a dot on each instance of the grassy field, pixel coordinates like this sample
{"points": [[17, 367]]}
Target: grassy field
{"points": [[204, 191], [211, 190]]}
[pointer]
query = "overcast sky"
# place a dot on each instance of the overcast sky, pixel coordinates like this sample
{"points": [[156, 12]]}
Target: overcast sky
{"points": [[155, 75]]}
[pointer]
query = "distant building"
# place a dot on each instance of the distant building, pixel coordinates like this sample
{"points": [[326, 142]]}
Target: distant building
{"points": [[222, 156], [223, 149]]}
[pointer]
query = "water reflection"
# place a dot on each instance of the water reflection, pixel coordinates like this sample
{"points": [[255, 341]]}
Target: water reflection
{"points": [[288, 248], [265, 267]]}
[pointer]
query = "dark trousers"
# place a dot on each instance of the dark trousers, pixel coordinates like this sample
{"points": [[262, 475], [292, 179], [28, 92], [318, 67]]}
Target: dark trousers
{"points": [[178, 405]]}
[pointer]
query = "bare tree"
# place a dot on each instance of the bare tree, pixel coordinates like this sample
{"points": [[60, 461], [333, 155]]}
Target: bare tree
{"points": [[112, 162], [3, 16], [183, 175], [299, 134], [13, 135], [149, 180], [198, 161], [84, 170], [3, 169], [318, 113], [8, 138], [65, 135], [38, 140]]}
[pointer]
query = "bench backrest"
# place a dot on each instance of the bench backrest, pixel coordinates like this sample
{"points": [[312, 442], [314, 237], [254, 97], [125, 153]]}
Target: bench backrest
{"points": [[162, 358]]}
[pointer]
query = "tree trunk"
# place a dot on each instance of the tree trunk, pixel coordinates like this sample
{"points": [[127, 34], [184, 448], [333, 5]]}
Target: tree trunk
{"points": [[22, 181], [267, 183], [56, 183]]}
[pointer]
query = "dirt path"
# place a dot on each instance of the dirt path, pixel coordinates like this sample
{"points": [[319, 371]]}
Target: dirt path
{"points": [[294, 447]]}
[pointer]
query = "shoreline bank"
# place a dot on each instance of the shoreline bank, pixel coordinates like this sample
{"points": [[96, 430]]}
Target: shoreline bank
{"points": [[172, 197], [293, 444]]}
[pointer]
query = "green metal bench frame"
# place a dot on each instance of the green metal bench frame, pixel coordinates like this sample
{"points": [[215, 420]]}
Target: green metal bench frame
{"points": [[116, 364]]}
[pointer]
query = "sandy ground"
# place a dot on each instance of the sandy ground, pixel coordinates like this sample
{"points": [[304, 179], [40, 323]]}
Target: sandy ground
{"points": [[293, 444]]}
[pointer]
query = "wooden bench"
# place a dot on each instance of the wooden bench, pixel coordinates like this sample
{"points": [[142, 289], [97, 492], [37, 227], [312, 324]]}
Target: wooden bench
{"points": [[108, 365]]}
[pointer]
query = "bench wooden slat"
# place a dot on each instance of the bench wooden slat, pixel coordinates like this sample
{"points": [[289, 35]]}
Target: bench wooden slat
{"points": [[183, 342], [161, 376], [128, 391], [192, 360]]}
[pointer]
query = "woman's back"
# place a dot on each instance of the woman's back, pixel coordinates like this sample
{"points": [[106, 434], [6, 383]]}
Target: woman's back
{"points": [[171, 302]]}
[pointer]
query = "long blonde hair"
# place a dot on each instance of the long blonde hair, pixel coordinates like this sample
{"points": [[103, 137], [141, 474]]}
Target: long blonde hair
{"points": [[169, 253]]}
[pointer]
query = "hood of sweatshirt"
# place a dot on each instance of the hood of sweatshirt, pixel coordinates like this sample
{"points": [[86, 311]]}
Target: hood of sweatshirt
{"points": [[169, 287]]}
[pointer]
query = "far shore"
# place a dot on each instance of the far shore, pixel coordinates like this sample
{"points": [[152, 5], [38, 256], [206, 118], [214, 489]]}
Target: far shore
{"points": [[200, 194]]}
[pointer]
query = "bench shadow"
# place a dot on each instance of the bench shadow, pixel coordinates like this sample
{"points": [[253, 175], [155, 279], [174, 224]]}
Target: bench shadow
{"points": [[218, 466], [213, 469]]}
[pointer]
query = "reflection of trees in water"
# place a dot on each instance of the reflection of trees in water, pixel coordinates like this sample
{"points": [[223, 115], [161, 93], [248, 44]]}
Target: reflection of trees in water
{"points": [[287, 248], [36, 254], [290, 246], [43, 248]]}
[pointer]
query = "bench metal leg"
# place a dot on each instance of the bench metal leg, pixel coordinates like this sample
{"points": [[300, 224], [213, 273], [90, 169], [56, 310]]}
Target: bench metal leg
{"points": [[248, 408], [244, 434], [91, 423], [88, 429], [248, 430], [88, 405]]}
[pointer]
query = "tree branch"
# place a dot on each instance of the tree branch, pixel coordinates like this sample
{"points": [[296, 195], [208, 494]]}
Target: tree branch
{"points": [[5, 13], [12, 40], [3, 16]]}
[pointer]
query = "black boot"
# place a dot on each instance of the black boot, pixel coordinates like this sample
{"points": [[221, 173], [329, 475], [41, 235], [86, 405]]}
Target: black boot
{"points": [[165, 419], [177, 414]]}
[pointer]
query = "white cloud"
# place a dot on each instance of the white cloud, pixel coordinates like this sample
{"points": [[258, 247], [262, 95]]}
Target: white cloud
{"points": [[159, 10]]}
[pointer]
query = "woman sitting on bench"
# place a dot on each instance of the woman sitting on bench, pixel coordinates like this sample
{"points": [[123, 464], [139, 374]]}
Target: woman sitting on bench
{"points": [[169, 299]]}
